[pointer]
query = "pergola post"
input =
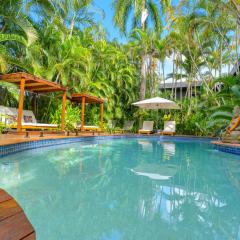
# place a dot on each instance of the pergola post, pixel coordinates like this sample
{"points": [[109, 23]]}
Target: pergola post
{"points": [[101, 115], [83, 109], [20, 105], [64, 97]]}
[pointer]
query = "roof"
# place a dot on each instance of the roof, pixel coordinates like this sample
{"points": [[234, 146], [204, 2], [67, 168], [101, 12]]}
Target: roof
{"points": [[77, 97], [180, 85], [32, 83]]}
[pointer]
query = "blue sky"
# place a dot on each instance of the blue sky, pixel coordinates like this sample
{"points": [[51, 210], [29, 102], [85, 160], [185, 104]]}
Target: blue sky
{"points": [[107, 22], [113, 31]]}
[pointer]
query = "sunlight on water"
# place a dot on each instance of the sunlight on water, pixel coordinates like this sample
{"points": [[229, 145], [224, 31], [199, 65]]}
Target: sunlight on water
{"points": [[136, 189]]}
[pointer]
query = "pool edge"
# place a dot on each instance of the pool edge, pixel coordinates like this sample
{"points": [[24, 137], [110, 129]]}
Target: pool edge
{"points": [[9, 149], [227, 147]]}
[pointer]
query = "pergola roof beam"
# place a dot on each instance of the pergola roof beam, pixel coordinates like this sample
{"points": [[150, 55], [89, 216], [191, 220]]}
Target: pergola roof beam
{"points": [[34, 84]]}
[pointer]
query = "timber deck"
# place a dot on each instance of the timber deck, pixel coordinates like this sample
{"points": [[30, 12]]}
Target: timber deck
{"points": [[14, 224], [7, 139]]}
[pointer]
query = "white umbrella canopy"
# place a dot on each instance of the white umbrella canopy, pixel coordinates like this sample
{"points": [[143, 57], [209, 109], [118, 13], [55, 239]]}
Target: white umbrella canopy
{"points": [[156, 103]]}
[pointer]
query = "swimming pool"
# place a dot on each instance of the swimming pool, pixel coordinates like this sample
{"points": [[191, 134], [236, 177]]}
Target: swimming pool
{"points": [[136, 188]]}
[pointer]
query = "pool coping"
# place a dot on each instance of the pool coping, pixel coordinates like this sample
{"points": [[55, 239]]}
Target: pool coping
{"points": [[227, 147], [28, 145]]}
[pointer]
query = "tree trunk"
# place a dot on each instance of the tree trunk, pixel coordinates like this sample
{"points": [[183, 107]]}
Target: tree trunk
{"points": [[173, 76], [144, 15], [143, 77], [181, 79], [72, 25], [163, 72], [176, 79], [237, 46], [221, 62], [143, 57]]}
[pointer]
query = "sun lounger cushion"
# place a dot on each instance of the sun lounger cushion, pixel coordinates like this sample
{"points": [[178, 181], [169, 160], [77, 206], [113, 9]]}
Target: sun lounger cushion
{"points": [[9, 116], [169, 126], [147, 127], [128, 125], [89, 128], [39, 125]]}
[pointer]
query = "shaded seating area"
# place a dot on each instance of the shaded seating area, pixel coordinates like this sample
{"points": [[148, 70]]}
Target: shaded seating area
{"points": [[86, 98], [25, 119], [9, 118]]}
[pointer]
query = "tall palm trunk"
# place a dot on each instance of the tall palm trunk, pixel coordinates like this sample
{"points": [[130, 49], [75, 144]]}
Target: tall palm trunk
{"points": [[181, 73], [176, 78], [221, 59], [173, 76], [237, 47], [163, 72], [143, 76], [143, 57]]}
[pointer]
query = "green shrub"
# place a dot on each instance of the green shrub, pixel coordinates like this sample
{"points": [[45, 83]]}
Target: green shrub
{"points": [[166, 117], [72, 117]]}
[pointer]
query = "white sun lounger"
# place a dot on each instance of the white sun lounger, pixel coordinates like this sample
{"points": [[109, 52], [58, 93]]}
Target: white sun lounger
{"points": [[89, 128], [147, 127], [169, 128], [9, 117]]}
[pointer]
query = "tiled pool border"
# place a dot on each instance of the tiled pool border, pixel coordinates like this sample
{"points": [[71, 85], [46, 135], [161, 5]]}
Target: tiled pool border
{"points": [[22, 146], [228, 148]]}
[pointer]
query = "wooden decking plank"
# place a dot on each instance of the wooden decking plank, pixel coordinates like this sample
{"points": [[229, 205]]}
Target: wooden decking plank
{"points": [[15, 227], [4, 196], [14, 224], [9, 208], [32, 236]]}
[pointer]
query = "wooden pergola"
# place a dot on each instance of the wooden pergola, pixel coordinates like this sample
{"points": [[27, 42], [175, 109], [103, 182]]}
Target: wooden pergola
{"points": [[84, 98], [34, 84]]}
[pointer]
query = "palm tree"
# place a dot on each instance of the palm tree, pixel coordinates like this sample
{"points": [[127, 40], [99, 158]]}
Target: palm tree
{"points": [[6, 58], [162, 50], [144, 11]]}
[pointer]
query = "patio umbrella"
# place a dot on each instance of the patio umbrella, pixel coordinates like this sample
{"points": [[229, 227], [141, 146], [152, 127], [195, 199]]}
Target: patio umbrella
{"points": [[156, 103]]}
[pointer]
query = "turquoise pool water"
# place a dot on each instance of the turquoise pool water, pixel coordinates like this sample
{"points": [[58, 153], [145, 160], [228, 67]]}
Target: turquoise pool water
{"points": [[133, 189]]}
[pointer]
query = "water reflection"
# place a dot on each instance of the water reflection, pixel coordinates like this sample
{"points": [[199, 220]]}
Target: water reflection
{"points": [[155, 171], [134, 189]]}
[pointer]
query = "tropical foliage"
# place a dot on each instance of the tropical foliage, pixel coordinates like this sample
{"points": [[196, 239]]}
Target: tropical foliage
{"points": [[62, 42]]}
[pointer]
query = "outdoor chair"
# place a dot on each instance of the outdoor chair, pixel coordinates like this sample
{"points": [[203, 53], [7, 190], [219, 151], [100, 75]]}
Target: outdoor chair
{"points": [[127, 127], [111, 125], [147, 127], [169, 128]]}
